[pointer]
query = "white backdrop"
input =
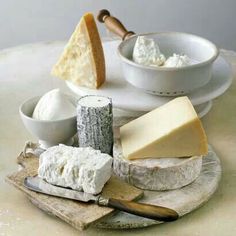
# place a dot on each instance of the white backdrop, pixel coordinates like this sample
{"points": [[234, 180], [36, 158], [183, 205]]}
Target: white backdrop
{"points": [[27, 21]]}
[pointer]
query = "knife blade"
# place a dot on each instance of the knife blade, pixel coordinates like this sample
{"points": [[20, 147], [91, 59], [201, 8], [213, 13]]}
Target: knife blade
{"points": [[37, 184], [141, 209]]}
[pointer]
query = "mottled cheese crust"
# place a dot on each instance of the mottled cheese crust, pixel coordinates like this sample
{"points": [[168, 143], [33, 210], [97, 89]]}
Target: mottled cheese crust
{"points": [[82, 61], [82, 169], [156, 173], [172, 130]]}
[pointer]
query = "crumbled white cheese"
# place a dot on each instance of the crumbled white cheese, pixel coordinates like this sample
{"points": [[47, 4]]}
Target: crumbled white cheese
{"points": [[54, 105], [83, 169], [146, 51], [177, 61]]}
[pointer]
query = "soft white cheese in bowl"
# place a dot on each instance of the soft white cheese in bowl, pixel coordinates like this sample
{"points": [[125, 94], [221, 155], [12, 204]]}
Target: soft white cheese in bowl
{"points": [[178, 61], [54, 105], [146, 52], [51, 118], [187, 65]]}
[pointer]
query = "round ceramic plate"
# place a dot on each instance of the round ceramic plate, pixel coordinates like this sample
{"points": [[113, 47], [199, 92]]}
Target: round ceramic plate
{"points": [[203, 108], [121, 91], [121, 117], [183, 200]]}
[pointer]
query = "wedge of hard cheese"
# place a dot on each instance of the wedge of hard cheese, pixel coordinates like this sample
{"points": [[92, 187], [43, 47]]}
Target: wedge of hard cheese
{"points": [[82, 61], [172, 130]]}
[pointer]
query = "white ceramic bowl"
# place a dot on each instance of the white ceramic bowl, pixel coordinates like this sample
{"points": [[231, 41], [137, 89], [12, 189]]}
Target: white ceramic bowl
{"points": [[170, 81], [49, 133]]}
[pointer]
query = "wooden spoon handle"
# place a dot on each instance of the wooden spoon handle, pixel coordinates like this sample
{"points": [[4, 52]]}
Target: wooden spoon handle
{"points": [[146, 210], [113, 24]]}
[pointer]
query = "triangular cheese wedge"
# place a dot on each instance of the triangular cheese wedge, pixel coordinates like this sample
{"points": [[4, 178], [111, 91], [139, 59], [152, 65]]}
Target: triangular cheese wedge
{"points": [[82, 61], [172, 130]]}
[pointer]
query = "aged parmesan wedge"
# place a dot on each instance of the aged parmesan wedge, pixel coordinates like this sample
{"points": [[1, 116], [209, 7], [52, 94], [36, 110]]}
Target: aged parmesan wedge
{"points": [[82, 61], [172, 130], [156, 173]]}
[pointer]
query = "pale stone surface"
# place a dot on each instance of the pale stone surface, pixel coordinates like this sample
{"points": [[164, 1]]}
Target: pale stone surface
{"points": [[24, 72]]}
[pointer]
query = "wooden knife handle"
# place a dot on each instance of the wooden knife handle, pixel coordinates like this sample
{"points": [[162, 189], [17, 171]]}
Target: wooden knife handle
{"points": [[146, 210], [113, 24]]}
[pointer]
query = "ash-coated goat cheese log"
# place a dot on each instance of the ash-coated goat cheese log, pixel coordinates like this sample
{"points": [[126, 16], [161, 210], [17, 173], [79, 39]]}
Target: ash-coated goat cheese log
{"points": [[94, 123]]}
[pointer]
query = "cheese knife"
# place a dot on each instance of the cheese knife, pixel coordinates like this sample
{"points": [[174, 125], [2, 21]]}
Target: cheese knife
{"points": [[145, 210]]}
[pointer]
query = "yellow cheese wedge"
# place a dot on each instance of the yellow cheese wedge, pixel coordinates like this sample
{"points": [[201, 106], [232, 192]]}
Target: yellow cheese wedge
{"points": [[82, 61], [172, 130]]}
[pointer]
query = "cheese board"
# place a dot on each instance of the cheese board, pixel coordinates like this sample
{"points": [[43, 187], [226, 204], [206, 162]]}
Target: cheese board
{"points": [[80, 215], [184, 200]]}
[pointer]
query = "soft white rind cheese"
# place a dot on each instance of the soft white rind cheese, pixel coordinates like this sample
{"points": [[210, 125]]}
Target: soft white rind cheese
{"points": [[156, 174], [147, 52], [83, 169]]}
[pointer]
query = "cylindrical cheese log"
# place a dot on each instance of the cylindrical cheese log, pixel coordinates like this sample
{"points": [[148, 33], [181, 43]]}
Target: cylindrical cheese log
{"points": [[94, 123]]}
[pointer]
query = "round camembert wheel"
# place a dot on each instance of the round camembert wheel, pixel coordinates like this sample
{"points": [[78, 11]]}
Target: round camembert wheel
{"points": [[156, 174]]}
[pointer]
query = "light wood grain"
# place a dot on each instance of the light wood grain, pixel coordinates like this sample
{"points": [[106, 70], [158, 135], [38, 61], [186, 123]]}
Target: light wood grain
{"points": [[79, 215]]}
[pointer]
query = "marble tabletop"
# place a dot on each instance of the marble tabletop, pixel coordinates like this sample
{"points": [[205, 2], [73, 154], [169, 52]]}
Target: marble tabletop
{"points": [[24, 72]]}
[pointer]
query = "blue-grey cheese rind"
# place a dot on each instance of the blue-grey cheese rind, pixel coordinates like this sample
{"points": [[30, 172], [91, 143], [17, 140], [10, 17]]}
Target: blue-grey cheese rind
{"points": [[94, 125]]}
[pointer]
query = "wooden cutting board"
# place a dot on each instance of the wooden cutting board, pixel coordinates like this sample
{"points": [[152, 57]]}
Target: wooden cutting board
{"points": [[79, 215]]}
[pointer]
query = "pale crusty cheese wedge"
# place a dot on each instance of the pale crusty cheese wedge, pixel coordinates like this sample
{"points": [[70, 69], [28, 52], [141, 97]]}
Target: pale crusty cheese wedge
{"points": [[171, 130], [82, 61]]}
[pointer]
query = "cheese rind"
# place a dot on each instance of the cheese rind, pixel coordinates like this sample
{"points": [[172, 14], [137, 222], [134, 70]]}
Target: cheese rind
{"points": [[172, 130], [156, 173], [94, 123], [83, 169], [82, 61]]}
